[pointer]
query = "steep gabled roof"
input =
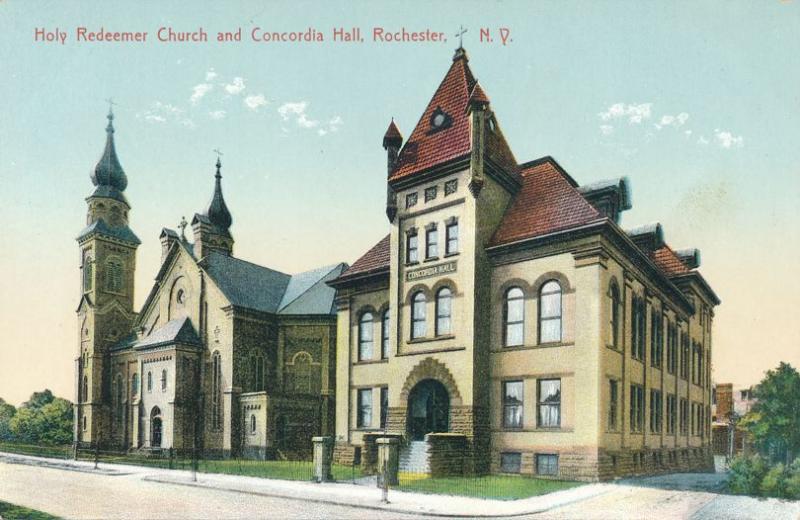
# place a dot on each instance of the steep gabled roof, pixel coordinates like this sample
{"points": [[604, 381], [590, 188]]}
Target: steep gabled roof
{"points": [[427, 147], [179, 330], [373, 261], [245, 284], [548, 201], [316, 296]]}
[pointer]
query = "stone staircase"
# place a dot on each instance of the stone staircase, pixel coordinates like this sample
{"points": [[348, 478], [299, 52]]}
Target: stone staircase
{"points": [[414, 458]]}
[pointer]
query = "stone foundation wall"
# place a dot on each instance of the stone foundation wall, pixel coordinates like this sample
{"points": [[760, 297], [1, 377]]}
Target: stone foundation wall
{"points": [[344, 454], [448, 454]]}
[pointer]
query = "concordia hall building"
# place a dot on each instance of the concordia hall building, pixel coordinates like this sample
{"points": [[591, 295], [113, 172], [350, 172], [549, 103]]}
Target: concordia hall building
{"points": [[507, 311]]}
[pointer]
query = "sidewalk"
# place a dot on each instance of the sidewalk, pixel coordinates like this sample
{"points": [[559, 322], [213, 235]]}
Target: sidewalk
{"points": [[343, 494]]}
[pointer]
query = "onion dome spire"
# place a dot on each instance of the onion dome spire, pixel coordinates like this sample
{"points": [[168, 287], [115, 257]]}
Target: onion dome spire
{"points": [[217, 211], [108, 171]]}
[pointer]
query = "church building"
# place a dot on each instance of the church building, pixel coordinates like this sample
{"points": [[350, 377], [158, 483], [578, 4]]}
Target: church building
{"points": [[508, 323], [225, 356]]}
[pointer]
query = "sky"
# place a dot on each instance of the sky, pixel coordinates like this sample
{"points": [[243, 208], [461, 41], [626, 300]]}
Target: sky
{"points": [[695, 102]]}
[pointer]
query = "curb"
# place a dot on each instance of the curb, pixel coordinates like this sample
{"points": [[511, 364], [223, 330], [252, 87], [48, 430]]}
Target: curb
{"points": [[374, 507]]}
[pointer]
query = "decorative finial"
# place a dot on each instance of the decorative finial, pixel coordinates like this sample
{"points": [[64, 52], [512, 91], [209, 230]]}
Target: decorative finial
{"points": [[183, 225], [219, 162]]}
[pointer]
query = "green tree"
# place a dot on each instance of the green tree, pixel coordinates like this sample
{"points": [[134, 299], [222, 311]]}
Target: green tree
{"points": [[774, 421], [7, 412], [43, 419], [39, 399]]}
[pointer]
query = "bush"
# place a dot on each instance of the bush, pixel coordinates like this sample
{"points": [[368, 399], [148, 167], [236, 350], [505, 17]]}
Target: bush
{"points": [[792, 483], [774, 483], [746, 475]]}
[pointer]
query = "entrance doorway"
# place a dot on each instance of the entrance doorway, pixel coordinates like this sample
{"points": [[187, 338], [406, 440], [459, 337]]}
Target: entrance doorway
{"points": [[155, 428], [428, 409]]}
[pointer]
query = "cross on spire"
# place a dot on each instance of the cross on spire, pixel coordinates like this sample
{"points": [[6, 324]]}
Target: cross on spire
{"points": [[219, 162], [111, 104], [460, 34]]}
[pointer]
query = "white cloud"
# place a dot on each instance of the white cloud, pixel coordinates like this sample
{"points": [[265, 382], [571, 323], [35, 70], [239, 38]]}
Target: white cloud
{"points": [[235, 87], [606, 129], [687, 132], [200, 90], [161, 112], [702, 140], [335, 123], [217, 114], [676, 121], [635, 113], [255, 102], [287, 109], [210, 75], [726, 139]]}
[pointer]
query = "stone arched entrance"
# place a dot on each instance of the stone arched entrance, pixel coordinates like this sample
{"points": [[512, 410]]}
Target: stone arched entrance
{"points": [[155, 428], [428, 409]]}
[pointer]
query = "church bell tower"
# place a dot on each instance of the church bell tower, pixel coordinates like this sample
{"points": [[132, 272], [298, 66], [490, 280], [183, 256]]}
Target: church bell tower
{"points": [[107, 249]]}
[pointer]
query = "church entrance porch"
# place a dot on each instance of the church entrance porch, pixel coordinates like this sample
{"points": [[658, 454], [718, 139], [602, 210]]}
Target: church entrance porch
{"points": [[428, 409]]}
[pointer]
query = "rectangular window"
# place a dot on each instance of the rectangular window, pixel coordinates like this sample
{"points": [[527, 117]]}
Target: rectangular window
{"points": [[431, 243], [384, 406], [451, 232], [638, 328], [656, 338], [510, 462], [549, 403], [546, 464], [684, 355], [656, 411], [684, 412], [672, 348], [412, 248], [512, 404], [637, 408], [613, 402], [671, 414], [364, 418]]}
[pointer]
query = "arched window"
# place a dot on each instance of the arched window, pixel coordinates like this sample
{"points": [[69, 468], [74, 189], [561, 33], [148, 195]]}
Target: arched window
{"points": [[216, 390], [163, 380], [514, 318], [385, 344], [253, 424], [550, 312], [258, 373], [113, 275], [302, 374], [135, 384], [118, 395], [418, 325], [88, 271], [84, 423], [85, 389], [444, 309], [365, 336], [615, 314], [149, 381]]}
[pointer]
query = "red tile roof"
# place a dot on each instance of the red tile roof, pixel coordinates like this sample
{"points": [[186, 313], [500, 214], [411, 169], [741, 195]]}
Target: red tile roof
{"points": [[376, 259], [547, 202], [478, 95], [424, 148], [666, 260]]}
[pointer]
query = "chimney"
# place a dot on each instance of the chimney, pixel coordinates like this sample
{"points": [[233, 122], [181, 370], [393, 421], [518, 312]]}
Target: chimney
{"points": [[167, 237]]}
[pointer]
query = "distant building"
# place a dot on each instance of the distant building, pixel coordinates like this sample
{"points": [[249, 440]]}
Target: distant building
{"points": [[507, 323], [728, 406], [225, 355]]}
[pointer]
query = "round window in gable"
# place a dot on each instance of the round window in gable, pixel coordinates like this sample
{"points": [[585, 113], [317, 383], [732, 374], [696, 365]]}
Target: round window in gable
{"points": [[439, 119]]}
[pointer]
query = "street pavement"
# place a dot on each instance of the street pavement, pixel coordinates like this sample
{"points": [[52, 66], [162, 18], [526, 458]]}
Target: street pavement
{"points": [[71, 489]]}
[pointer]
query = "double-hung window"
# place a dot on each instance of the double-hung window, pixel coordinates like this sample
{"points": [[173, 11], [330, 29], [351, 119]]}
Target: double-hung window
{"points": [[549, 403], [512, 404]]}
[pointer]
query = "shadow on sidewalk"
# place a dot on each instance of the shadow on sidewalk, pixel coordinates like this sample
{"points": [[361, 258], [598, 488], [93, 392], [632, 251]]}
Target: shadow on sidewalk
{"points": [[700, 482]]}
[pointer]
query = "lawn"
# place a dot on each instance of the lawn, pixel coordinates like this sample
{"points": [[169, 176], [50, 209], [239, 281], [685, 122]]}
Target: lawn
{"points": [[58, 452], [502, 487], [12, 512]]}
